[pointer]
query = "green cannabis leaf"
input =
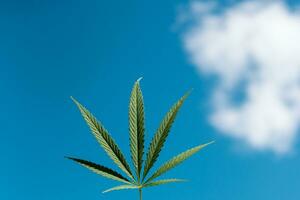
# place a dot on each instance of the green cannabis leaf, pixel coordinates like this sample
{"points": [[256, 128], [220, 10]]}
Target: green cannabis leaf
{"points": [[136, 180], [136, 127]]}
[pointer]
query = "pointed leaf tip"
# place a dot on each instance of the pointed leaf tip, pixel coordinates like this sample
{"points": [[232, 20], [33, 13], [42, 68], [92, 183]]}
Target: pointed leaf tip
{"points": [[189, 92], [74, 100], [211, 142]]}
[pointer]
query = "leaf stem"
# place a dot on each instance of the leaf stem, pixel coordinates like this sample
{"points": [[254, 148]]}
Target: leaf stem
{"points": [[140, 192]]}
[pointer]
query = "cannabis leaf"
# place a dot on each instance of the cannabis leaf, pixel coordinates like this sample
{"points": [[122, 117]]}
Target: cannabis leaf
{"points": [[161, 135], [135, 180], [136, 127], [163, 181], [121, 187], [105, 140], [101, 170], [176, 161]]}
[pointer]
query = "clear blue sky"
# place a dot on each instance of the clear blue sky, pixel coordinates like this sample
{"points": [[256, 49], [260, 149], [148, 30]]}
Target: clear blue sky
{"points": [[94, 50]]}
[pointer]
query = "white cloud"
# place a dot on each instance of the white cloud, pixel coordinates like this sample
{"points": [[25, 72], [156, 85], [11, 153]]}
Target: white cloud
{"points": [[254, 49]]}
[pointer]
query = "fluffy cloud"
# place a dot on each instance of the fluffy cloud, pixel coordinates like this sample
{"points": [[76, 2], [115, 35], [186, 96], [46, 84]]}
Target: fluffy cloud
{"points": [[254, 49]]}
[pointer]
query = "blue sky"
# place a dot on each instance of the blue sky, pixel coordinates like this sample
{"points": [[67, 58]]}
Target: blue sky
{"points": [[94, 51]]}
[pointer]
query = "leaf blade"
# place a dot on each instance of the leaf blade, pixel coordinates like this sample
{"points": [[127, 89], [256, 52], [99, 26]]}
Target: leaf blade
{"points": [[137, 127], [161, 134], [104, 139], [121, 187], [163, 181], [176, 161], [100, 169]]}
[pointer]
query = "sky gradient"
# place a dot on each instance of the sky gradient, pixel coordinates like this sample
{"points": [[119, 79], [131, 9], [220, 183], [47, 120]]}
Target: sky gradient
{"points": [[95, 50]]}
